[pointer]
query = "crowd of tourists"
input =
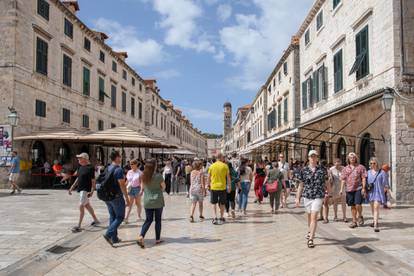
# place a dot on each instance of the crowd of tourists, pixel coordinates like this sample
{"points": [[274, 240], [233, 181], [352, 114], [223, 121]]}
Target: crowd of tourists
{"points": [[228, 181]]}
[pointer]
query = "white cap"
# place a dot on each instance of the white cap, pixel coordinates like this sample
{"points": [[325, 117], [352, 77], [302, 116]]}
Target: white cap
{"points": [[312, 152], [83, 155]]}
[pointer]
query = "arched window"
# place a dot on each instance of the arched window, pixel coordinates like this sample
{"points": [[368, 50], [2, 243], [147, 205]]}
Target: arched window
{"points": [[367, 149], [64, 154], [38, 154], [322, 153], [341, 151]]}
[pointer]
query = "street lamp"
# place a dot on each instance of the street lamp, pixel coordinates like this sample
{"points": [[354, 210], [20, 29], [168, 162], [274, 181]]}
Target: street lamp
{"points": [[13, 119], [387, 99]]}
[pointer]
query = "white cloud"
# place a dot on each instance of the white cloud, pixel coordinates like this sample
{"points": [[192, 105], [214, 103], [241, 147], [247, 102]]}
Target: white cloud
{"points": [[167, 74], [211, 2], [141, 52], [179, 20], [219, 56], [256, 41], [224, 12], [197, 113]]}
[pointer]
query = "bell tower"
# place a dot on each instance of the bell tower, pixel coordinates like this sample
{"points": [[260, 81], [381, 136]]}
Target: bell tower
{"points": [[227, 118]]}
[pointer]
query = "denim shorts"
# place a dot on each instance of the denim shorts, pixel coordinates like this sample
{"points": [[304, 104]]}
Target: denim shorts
{"points": [[134, 191]]}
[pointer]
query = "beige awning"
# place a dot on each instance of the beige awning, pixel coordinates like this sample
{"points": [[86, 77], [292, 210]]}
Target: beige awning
{"points": [[61, 134], [116, 137], [123, 136]]}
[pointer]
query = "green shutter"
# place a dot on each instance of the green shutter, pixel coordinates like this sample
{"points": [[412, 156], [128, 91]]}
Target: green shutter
{"points": [[315, 87], [86, 81], [304, 96]]}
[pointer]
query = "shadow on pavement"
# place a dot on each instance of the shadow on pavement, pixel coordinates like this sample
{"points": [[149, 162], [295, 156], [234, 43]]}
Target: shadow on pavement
{"points": [[395, 225], [347, 242], [149, 243], [22, 194]]}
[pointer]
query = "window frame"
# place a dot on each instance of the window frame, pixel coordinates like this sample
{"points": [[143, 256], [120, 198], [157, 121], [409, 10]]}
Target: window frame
{"points": [[335, 3], [40, 108], [66, 115], [338, 72], [123, 101], [319, 20], [43, 9], [87, 44], [113, 95], [86, 84], [67, 70], [307, 37], [68, 28], [124, 74], [101, 125], [101, 89], [42, 57], [133, 107], [102, 56], [85, 121], [114, 67]]}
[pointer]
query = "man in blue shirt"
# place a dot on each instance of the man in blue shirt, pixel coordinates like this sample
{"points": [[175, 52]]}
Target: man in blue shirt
{"points": [[14, 173], [116, 207]]}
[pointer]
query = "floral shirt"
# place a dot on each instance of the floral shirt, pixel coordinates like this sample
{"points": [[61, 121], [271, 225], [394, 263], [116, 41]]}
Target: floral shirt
{"points": [[313, 182], [196, 185], [353, 177]]}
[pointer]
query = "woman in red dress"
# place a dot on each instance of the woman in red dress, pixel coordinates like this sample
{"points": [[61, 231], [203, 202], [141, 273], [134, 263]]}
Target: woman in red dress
{"points": [[259, 176]]}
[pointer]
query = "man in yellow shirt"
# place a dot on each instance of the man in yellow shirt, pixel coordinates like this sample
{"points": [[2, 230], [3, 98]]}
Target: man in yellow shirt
{"points": [[219, 182]]}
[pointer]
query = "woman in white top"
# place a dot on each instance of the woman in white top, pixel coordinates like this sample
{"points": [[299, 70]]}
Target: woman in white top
{"points": [[167, 173], [133, 179]]}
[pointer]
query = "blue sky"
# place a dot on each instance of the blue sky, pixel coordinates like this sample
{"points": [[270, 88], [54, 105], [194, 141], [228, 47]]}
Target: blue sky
{"points": [[202, 52]]}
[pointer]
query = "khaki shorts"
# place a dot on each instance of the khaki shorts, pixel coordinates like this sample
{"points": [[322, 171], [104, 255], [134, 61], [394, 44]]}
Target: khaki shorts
{"points": [[13, 177], [313, 205], [83, 198]]}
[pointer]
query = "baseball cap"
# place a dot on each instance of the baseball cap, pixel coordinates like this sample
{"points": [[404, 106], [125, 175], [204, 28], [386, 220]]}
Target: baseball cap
{"points": [[83, 155], [312, 152]]}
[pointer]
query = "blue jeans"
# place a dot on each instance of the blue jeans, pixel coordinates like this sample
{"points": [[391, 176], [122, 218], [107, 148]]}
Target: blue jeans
{"points": [[116, 209], [244, 195], [149, 213]]}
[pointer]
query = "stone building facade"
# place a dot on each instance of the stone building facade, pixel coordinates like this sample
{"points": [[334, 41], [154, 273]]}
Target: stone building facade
{"points": [[56, 72], [351, 56]]}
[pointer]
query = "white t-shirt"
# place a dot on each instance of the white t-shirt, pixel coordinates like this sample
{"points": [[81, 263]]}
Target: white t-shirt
{"points": [[284, 168], [133, 178]]}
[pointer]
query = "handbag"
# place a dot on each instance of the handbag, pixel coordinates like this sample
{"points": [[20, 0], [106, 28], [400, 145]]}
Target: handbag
{"points": [[370, 186], [272, 187]]}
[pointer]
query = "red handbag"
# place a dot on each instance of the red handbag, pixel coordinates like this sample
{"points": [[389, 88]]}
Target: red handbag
{"points": [[272, 187]]}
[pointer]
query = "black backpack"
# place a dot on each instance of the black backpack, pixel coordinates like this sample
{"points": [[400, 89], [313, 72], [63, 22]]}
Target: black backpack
{"points": [[105, 185]]}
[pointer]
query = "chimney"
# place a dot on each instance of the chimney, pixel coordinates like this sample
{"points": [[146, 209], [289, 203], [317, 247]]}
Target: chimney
{"points": [[122, 55], [72, 5]]}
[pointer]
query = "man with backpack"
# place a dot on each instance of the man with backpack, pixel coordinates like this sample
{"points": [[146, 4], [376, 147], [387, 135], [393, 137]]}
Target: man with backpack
{"points": [[112, 190]]}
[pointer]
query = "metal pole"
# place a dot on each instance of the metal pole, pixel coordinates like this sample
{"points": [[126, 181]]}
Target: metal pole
{"points": [[390, 156]]}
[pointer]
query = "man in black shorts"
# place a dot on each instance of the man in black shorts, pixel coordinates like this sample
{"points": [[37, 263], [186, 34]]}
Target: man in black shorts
{"points": [[219, 183], [85, 184]]}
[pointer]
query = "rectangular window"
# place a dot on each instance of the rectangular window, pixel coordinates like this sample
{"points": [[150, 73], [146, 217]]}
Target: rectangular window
{"points": [[362, 51], [140, 87], [279, 115], [315, 87], [336, 3], [322, 83], [43, 9], [271, 123], [319, 21], [100, 125], [280, 77], [309, 95], [338, 72], [133, 81], [140, 110], [113, 125], [285, 68], [40, 108], [68, 28], [152, 115], [307, 37], [285, 110], [41, 56], [101, 89], [113, 96], [85, 121], [66, 115], [132, 107], [102, 56], [86, 81], [87, 44], [114, 66], [124, 101], [124, 74], [67, 70]]}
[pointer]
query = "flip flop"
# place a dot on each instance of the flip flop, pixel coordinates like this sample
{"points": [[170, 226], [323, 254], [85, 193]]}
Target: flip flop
{"points": [[141, 243]]}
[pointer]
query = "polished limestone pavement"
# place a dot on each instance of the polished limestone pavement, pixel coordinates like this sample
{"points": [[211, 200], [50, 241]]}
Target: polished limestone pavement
{"points": [[35, 239]]}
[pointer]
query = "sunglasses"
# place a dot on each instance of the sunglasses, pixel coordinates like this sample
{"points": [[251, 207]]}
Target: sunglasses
{"points": [[372, 163]]}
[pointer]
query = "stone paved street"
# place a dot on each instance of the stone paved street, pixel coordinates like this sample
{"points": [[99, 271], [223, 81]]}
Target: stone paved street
{"points": [[35, 239]]}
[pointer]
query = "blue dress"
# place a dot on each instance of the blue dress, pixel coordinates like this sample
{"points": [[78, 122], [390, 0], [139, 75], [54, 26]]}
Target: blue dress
{"points": [[377, 194]]}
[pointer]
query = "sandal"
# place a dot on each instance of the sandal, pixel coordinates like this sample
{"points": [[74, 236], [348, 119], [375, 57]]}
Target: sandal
{"points": [[325, 221], [353, 225], [159, 242], [311, 244], [307, 236], [191, 219], [361, 221], [345, 220], [140, 243], [336, 219], [372, 225]]}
